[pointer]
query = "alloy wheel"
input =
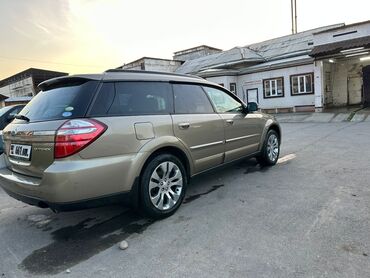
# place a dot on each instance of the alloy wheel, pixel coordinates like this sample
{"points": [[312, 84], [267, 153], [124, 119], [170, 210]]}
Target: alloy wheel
{"points": [[273, 147], [165, 185]]}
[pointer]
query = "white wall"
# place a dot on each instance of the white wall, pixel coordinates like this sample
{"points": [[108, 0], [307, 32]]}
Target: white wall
{"points": [[20, 88], [360, 30], [226, 80], [161, 65], [153, 65], [254, 80]]}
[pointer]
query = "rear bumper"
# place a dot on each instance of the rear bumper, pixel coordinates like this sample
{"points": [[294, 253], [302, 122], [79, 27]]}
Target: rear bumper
{"points": [[125, 198], [75, 184]]}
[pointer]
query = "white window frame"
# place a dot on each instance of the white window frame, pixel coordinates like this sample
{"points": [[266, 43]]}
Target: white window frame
{"points": [[299, 78], [273, 83]]}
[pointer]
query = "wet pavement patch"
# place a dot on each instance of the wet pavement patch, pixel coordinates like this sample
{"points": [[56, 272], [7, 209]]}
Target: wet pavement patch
{"points": [[256, 168], [78, 243], [251, 166], [74, 244], [191, 198]]}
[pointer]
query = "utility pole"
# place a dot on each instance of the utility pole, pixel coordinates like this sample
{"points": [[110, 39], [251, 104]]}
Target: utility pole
{"points": [[294, 16]]}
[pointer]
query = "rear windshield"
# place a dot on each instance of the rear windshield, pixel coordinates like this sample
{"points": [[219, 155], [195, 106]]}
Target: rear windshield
{"points": [[66, 101]]}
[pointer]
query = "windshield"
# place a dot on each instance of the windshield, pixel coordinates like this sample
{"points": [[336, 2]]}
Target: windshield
{"points": [[64, 102]]}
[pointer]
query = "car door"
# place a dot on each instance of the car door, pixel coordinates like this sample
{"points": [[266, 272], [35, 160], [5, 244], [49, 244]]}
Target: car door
{"points": [[243, 130], [198, 126]]}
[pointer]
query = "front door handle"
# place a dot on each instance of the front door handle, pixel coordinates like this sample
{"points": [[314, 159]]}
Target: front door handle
{"points": [[230, 122], [184, 125]]}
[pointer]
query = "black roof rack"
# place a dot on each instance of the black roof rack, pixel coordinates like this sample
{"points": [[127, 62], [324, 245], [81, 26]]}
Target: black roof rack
{"points": [[154, 72]]}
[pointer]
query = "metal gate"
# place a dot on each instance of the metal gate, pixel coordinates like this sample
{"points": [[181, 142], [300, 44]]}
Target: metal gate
{"points": [[366, 88]]}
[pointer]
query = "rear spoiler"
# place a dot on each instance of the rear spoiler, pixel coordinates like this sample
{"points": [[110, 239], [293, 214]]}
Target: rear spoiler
{"points": [[63, 81]]}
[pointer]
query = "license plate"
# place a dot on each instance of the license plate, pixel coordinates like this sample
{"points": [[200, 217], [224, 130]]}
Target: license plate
{"points": [[21, 151]]}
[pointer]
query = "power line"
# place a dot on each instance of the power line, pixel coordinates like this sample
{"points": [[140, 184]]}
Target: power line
{"points": [[50, 62]]}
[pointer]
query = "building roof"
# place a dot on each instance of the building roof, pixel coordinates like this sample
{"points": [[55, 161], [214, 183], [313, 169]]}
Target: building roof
{"points": [[39, 75], [281, 63], [336, 47], [223, 59], [279, 48], [2, 97]]}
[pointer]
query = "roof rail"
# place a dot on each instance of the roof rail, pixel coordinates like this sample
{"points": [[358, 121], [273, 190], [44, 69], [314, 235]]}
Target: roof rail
{"points": [[153, 72]]}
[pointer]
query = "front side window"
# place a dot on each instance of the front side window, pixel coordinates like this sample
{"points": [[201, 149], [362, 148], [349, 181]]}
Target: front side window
{"points": [[273, 87], [302, 84], [222, 102], [191, 99], [133, 98]]}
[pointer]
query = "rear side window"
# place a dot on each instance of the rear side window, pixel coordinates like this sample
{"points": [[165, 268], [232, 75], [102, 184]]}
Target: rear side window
{"points": [[63, 102], [133, 98], [191, 99]]}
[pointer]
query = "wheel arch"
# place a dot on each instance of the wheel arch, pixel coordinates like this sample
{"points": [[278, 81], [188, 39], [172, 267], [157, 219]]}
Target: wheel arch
{"points": [[180, 154], [270, 125], [275, 128]]}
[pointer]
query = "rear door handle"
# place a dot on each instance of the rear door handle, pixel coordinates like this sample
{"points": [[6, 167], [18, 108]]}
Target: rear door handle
{"points": [[184, 125], [230, 122]]}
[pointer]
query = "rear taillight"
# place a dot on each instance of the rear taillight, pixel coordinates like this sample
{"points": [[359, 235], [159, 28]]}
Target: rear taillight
{"points": [[74, 135]]}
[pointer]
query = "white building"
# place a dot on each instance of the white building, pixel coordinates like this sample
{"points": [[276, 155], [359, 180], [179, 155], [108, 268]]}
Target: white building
{"points": [[307, 71], [21, 87], [153, 64]]}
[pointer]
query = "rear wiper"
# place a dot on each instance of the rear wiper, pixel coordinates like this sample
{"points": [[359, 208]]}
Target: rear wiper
{"points": [[21, 117]]}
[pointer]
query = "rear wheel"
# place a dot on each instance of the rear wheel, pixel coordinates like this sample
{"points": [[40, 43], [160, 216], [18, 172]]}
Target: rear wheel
{"points": [[163, 186], [271, 149]]}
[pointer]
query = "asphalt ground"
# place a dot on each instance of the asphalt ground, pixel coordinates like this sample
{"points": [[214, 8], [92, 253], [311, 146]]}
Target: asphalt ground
{"points": [[308, 216]]}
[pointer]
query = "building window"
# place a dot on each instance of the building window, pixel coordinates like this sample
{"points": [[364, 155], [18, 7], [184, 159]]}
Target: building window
{"points": [[233, 88], [302, 84], [273, 87], [221, 84]]}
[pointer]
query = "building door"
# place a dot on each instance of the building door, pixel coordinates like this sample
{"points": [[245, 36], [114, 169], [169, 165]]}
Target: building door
{"points": [[251, 95], [366, 88]]}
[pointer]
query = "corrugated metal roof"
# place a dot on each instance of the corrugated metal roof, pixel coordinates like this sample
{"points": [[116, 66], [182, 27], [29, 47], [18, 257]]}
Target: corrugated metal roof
{"points": [[233, 55], [279, 48], [281, 63], [336, 47]]}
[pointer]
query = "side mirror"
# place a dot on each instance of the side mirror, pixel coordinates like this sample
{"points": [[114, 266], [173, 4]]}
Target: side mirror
{"points": [[252, 107]]}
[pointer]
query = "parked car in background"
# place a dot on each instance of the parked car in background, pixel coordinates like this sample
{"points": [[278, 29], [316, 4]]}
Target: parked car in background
{"points": [[7, 114], [88, 140]]}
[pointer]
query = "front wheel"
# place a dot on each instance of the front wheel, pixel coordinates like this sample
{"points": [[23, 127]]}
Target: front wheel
{"points": [[163, 186], [271, 149]]}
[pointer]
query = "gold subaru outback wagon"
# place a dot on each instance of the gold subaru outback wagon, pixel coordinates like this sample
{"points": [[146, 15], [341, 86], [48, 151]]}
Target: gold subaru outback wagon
{"points": [[128, 136]]}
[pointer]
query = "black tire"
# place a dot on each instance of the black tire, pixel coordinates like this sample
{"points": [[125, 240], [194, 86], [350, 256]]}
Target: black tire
{"points": [[264, 159], [146, 205]]}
